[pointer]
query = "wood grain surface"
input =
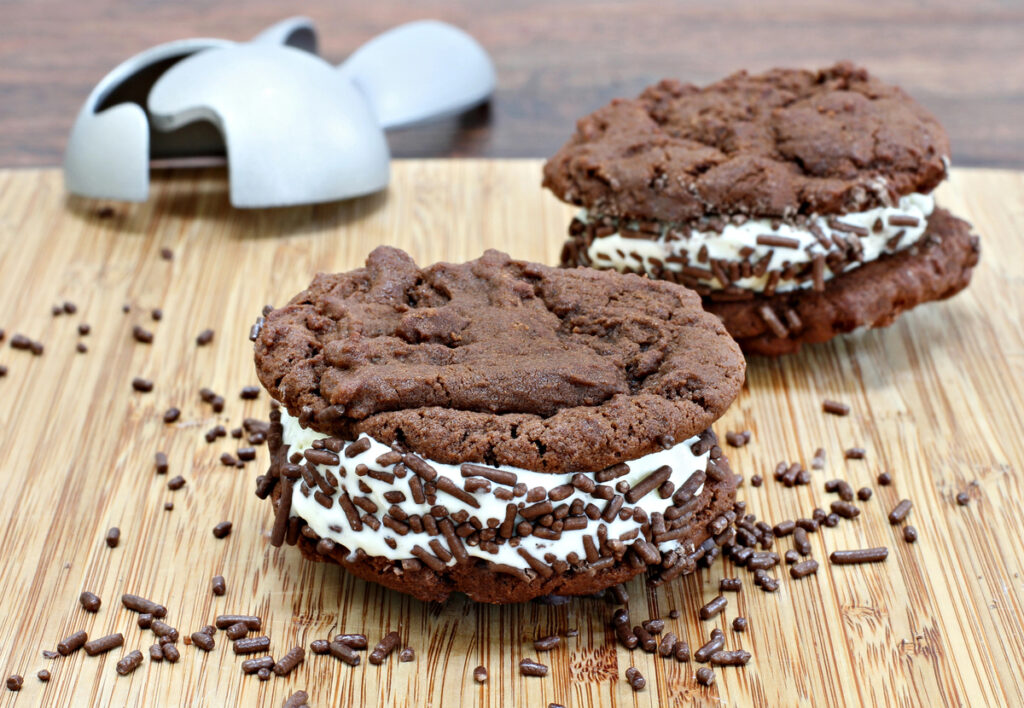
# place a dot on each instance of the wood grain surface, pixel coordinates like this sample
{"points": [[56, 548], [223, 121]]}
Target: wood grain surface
{"points": [[936, 401], [556, 60]]}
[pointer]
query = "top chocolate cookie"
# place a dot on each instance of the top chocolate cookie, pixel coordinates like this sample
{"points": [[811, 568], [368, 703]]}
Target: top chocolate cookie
{"points": [[500, 361], [777, 144]]}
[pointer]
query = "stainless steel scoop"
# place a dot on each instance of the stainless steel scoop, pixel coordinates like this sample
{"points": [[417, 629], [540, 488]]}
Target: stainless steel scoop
{"points": [[294, 129]]}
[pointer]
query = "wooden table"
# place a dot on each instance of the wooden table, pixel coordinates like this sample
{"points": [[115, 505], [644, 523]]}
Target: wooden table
{"points": [[556, 61], [936, 401]]}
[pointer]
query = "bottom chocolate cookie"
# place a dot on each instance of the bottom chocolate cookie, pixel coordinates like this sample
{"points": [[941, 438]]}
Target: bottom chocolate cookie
{"points": [[497, 534], [873, 295]]}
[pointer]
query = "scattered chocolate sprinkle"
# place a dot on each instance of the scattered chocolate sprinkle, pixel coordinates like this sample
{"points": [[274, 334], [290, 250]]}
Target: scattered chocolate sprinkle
{"points": [[730, 658], [480, 674], [864, 493], [818, 461], [529, 667], [251, 645], [251, 666], [43, 675], [547, 643], [855, 453], [296, 700], [90, 601], [204, 338], [835, 407], [263, 674], [714, 644], [104, 644], [142, 385], [287, 663], [705, 676], [176, 483], [845, 509], [730, 585], [251, 621], [157, 314], [204, 641], [219, 586], [885, 479], [50, 654], [384, 647], [171, 415], [407, 655], [900, 512], [343, 652], [171, 653], [862, 555], [909, 534], [635, 678], [156, 652], [167, 254], [681, 651], [319, 646], [168, 506], [141, 335], [804, 568], [145, 620], [963, 498], [740, 624], [141, 604], [228, 460], [72, 643], [713, 607], [14, 682], [756, 480], [250, 392], [791, 557], [237, 631], [81, 348], [738, 439], [113, 537]]}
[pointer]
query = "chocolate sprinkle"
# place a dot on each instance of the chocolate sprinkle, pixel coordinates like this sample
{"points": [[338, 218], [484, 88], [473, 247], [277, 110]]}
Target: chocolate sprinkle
{"points": [[251, 645], [705, 676], [900, 512], [835, 407], [529, 667], [72, 643], [863, 555], [287, 663], [113, 537], [384, 648], [90, 602], [102, 645], [142, 605]]}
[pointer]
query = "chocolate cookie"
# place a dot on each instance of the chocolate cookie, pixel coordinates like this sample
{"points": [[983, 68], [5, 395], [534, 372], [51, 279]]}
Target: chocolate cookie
{"points": [[499, 361], [435, 419], [784, 182]]}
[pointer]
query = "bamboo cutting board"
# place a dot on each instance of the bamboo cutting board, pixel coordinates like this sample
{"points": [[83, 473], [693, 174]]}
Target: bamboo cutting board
{"points": [[936, 401]]}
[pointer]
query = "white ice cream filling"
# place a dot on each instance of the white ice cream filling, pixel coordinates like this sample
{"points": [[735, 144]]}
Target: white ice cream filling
{"points": [[332, 523], [874, 229]]}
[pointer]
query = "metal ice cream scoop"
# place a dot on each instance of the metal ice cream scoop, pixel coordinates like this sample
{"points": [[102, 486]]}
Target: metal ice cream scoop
{"points": [[294, 129]]}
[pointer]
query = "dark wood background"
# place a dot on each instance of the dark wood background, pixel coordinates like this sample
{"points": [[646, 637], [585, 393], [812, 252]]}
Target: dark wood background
{"points": [[556, 60]]}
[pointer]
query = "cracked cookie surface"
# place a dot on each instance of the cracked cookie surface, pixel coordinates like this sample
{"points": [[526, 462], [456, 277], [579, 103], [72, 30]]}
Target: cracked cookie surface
{"points": [[777, 144], [500, 361]]}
